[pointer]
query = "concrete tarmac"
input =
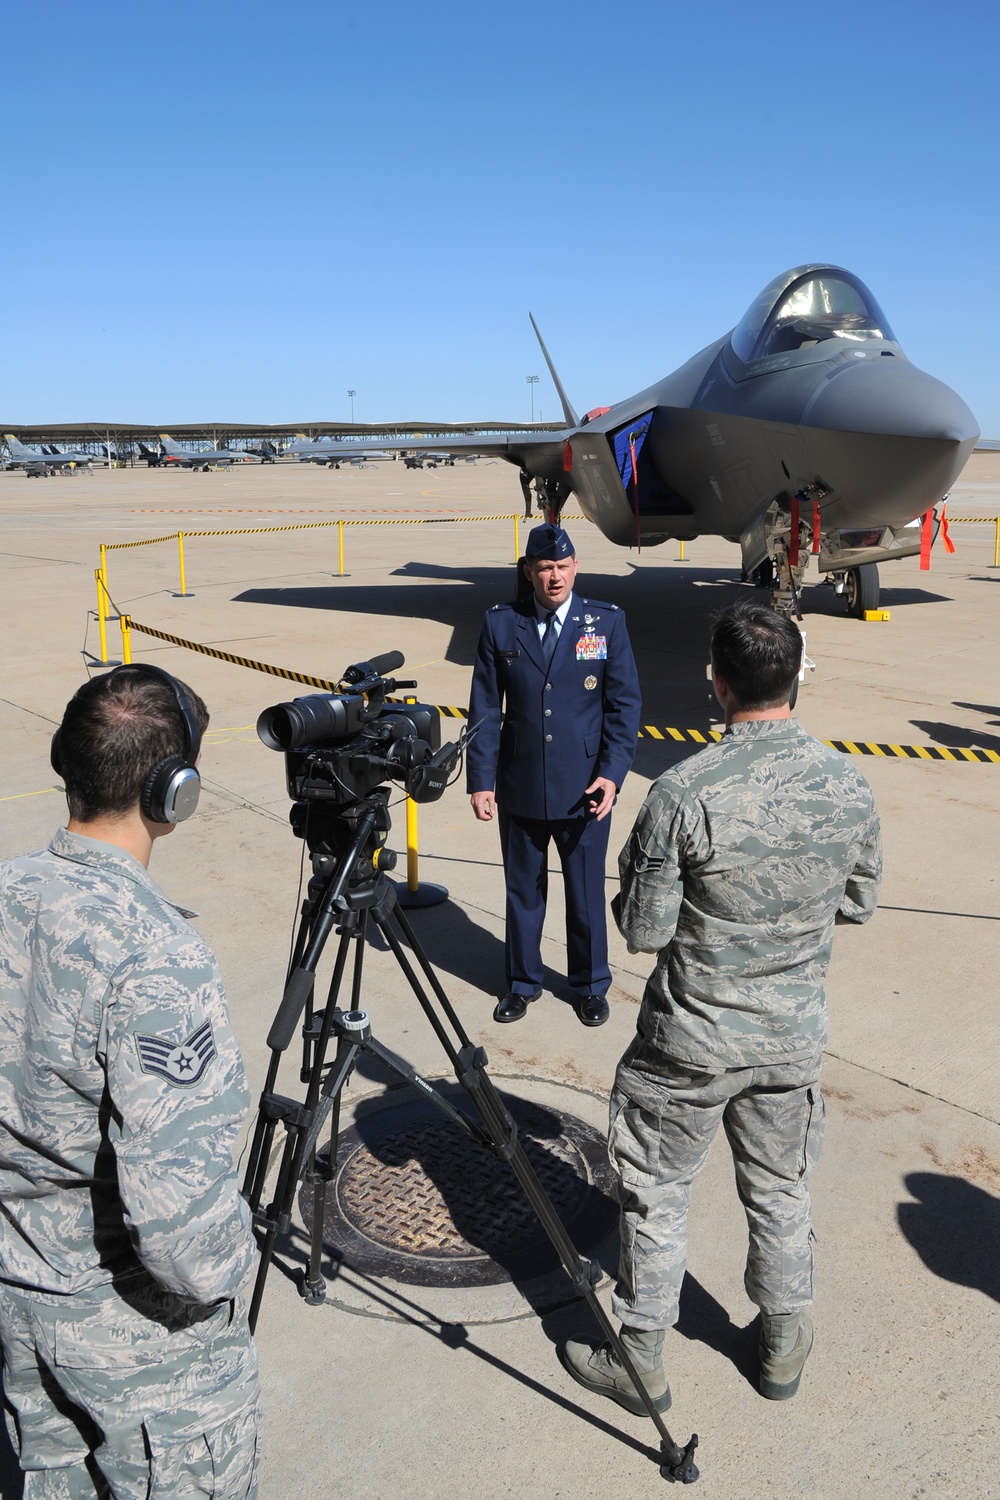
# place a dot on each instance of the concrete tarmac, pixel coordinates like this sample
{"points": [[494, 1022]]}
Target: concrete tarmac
{"points": [[388, 1388]]}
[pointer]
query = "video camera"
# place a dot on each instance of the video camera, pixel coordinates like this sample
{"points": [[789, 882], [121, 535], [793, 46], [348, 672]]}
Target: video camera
{"points": [[340, 746]]}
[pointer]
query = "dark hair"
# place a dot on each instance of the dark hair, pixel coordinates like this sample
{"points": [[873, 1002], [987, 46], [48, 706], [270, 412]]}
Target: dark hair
{"points": [[114, 731], [758, 652]]}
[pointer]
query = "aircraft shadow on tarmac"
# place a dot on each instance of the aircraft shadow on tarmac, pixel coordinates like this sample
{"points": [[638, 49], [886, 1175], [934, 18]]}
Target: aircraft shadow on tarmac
{"points": [[956, 737], [669, 620], [954, 1226]]}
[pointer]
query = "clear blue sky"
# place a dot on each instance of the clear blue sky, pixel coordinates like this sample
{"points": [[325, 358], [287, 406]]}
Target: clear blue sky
{"points": [[235, 210]]}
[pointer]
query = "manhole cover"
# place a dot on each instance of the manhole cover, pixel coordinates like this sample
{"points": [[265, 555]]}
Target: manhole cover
{"points": [[415, 1199]]}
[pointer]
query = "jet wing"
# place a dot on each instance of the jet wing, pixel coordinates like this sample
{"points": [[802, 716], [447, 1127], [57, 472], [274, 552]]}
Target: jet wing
{"points": [[540, 453]]}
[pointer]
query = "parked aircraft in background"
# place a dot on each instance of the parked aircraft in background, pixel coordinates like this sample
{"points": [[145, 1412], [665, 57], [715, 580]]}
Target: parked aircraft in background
{"points": [[432, 460], [325, 451], [45, 460], [805, 428], [174, 456]]}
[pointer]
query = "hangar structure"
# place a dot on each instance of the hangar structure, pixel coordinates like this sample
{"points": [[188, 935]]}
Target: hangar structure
{"points": [[124, 435]]}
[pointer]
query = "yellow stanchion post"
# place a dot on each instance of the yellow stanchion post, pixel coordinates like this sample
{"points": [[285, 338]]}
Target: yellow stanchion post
{"points": [[102, 628], [681, 557], [412, 851], [104, 565], [996, 543], [517, 542], [340, 542], [103, 598], [413, 893], [183, 593], [126, 625]]}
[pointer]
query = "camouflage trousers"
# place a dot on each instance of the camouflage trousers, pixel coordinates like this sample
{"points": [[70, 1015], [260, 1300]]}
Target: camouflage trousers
{"points": [[132, 1395], [664, 1117]]}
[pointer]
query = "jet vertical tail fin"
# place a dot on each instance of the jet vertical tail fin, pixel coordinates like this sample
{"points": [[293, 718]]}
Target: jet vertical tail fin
{"points": [[16, 448], [572, 420]]}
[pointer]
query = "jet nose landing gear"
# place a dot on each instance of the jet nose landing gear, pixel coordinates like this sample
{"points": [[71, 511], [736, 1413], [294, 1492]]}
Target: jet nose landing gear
{"points": [[860, 589]]}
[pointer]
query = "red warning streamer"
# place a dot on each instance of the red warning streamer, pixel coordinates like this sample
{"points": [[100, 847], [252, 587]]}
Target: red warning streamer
{"points": [[926, 538], [949, 545], [816, 526]]}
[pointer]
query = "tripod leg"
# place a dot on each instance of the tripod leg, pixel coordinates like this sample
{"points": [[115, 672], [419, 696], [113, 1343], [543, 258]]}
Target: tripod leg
{"points": [[678, 1462], [319, 1175]]}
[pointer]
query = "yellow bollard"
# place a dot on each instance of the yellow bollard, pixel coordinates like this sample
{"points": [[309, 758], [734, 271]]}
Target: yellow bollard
{"points": [[681, 558], [126, 625], [101, 614], [183, 594], [996, 544], [340, 539], [104, 565], [413, 893], [412, 854], [517, 543]]}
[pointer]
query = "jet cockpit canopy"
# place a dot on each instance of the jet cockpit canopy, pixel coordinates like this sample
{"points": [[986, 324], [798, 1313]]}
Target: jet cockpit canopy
{"points": [[804, 307]]}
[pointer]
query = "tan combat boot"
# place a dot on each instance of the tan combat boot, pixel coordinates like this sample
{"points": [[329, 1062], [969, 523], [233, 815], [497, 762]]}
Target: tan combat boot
{"points": [[597, 1367], [785, 1342]]}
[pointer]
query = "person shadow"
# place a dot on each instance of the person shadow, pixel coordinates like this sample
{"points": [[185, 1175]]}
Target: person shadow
{"points": [[954, 1226], [454, 944], [702, 1320]]}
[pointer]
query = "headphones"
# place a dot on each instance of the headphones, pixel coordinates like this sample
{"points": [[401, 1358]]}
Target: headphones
{"points": [[170, 792]]}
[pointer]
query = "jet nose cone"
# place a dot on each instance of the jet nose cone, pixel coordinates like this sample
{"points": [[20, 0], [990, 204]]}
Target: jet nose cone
{"points": [[884, 394]]}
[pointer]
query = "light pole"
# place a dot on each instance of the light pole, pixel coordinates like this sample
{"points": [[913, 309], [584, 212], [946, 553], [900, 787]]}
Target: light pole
{"points": [[532, 382], [352, 395]]}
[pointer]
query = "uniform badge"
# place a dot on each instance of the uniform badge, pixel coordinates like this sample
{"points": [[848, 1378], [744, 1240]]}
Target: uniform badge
{"points": [[590, 683], [592, 648], [182, 1063]]}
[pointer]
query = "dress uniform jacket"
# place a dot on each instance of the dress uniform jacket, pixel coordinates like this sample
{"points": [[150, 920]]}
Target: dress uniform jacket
{"points": [[545, 732]]}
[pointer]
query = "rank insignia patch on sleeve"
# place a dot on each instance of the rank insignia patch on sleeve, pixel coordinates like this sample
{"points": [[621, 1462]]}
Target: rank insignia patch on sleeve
{"points": [[182, 1063]]}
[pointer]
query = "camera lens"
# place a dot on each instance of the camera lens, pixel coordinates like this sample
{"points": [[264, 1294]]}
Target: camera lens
{"points": [[287, 726]]}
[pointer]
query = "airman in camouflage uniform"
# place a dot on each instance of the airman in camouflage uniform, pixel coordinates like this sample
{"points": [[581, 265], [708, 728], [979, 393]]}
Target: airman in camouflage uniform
{"points": [[740, 863], [128, 1364]]}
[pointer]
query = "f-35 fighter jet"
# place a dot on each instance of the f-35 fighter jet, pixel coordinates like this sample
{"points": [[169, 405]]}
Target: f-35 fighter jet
{"points": [[804, 430]]}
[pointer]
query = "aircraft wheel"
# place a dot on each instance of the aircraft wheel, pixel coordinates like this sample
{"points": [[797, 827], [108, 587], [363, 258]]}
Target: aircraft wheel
{"points": [[861, 589], [762, 576]]}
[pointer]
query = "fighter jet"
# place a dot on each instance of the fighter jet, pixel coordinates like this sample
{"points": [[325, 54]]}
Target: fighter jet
{"points": [[803, 431], [433, 459], [174, 456], [326, 451], [38, 462]]}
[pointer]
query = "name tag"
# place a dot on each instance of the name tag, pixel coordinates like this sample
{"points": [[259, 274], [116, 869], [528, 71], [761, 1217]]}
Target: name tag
{"points": [[592, 648]]}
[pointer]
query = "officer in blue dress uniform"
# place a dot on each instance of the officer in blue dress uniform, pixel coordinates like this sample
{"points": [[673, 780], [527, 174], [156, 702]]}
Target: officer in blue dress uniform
{"points": [[555, 705]]}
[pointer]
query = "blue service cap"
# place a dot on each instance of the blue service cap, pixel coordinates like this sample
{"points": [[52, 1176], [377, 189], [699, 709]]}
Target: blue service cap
{"points": [[548, 541]]}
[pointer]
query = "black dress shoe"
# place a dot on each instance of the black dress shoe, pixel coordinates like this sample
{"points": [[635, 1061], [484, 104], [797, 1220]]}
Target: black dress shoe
{"points": [[592, 1009], [513, 1007]]}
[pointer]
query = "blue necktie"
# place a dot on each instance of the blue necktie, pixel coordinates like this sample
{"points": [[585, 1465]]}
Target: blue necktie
{"points": [[549, 637]]}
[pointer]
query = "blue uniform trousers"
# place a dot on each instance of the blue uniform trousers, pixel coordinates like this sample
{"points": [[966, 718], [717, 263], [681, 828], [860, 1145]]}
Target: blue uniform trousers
{"points": [[582, 845]]}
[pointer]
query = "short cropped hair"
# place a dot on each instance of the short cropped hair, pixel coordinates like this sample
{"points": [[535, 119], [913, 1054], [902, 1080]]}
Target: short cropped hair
{"points": [[114, 731], [758, 651]]}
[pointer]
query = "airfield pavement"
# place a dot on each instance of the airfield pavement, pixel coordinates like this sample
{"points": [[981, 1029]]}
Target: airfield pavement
{"points": [[387, 1389]]}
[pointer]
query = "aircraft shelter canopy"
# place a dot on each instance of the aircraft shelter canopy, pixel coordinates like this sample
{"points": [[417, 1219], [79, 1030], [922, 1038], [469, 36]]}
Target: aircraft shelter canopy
{"points": [[804, 307]]}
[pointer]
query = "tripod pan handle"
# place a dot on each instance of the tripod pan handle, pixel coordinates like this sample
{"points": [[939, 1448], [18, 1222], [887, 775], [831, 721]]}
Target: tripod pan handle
{"points": [[297, 992]]}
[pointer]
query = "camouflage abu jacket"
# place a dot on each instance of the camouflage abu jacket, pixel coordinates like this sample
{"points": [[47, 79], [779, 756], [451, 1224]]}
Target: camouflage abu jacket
{"points": [[737, 868], [121, 1085]]}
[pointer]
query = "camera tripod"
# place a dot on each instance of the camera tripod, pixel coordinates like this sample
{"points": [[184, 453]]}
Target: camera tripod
{"points": [[347, 894]]}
